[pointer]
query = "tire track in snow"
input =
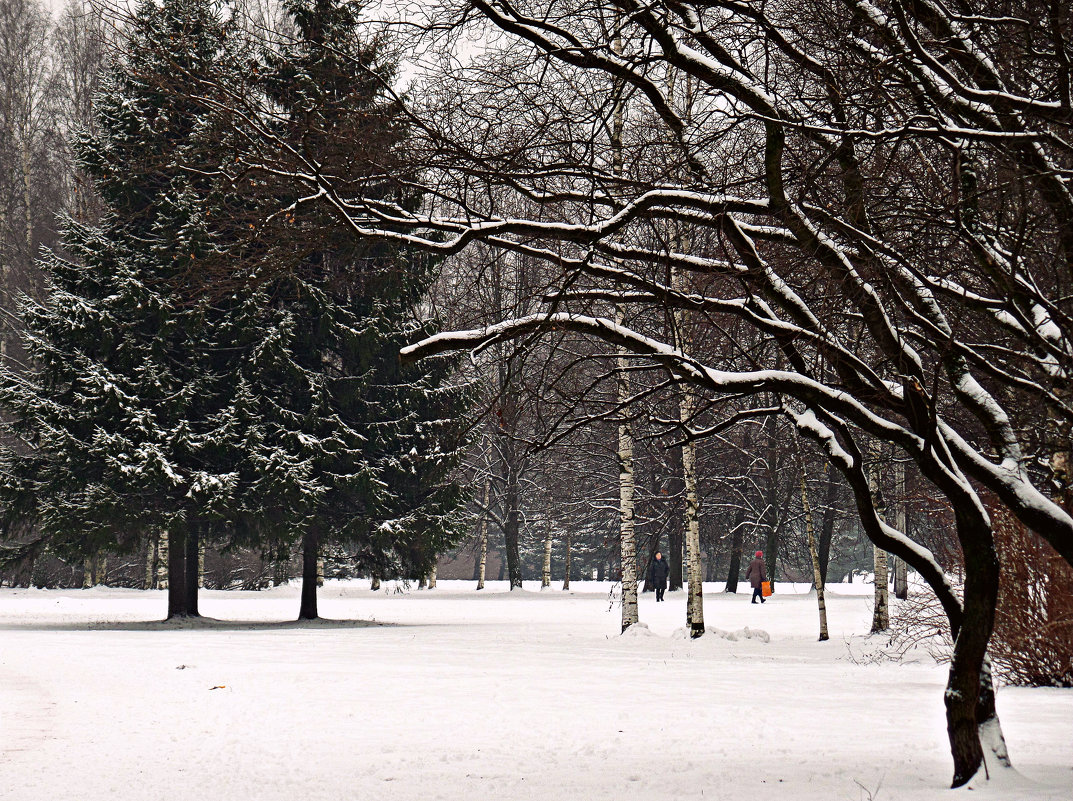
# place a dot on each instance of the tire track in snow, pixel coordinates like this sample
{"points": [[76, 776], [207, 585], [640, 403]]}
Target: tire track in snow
{"points": [[27, 716]]}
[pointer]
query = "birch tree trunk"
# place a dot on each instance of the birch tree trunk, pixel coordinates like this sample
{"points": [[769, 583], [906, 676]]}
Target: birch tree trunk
{"points": [[566, 564], [817, 577], [320, 571], [880, 610], [545, 571], [150, 561], [162, 561], [627, 544], [482, 563], [432, 577], [87, 572], [695, 598]]}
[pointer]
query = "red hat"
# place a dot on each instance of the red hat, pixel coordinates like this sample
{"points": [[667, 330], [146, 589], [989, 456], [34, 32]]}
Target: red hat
{"points": [[759, 553]]}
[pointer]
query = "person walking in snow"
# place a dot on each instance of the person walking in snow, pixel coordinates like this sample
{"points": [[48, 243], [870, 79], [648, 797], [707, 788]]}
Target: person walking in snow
{"points": [[657, 575], [756, 576]]}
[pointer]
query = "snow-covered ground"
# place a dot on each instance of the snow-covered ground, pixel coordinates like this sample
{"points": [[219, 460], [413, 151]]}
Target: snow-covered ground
{"points": [[456, 694]]}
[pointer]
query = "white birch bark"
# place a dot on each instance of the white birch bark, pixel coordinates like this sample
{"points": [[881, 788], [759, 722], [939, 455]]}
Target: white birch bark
{"points": [[201, 564], [162, 561], [320, 571], [545, 571], [810, 529], [150, 562], [695, 597], [483, 563], [627, 545], [432, 577], [881, 609]]}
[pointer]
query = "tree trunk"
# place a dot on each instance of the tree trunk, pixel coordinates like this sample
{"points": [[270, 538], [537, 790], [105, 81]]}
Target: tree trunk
{"points": [[769, 519], [192, 546], [627, 546], [177, 597], [817, 578], [901, 572], [163, 561], [566, 564], [320, 571], [695, 599], [512, 530], [675, 540], [545, 570], [374, 585], [432, 577], [967, 708], [88, 564], [880, 609], [150, 561], [310, 552], [482, 562]]}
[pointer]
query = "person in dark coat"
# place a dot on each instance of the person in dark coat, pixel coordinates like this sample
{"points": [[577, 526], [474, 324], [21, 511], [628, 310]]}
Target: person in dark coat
{"points": [[657, 575], [756, 576]]}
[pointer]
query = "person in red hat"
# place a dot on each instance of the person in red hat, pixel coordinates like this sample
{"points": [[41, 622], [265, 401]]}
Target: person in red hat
{"points": [[756, 576]]}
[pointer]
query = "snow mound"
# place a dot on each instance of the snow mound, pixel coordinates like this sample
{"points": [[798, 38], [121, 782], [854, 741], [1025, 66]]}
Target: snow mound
{"points": [[638, 630], [741, 634]]}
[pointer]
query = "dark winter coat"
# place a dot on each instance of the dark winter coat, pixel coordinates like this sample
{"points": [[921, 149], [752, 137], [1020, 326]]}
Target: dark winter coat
{"points": [[657, 574], [755, 575]]}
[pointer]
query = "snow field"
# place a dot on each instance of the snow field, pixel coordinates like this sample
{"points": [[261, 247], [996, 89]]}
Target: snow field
{"points": [[456, 694]]}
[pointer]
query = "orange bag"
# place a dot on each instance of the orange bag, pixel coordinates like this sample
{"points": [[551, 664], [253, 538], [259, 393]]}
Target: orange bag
{"points": [[765, 588]]}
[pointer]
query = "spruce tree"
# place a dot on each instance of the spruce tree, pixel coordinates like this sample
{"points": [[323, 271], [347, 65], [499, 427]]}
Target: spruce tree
{"points": [[118, 416], [382, 438]]}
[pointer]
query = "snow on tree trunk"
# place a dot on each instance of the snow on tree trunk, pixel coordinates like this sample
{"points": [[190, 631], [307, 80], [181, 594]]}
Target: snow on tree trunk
{"points": [[545, 571], [310, 549], [817, 577], [566, 564], [320, 571], [201, 565], [482, 563]]}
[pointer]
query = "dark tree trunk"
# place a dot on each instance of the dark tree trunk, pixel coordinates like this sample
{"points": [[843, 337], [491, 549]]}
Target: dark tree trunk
{"points": [[512, 530], [736, 536], [653, 546], [963, 695], [769, 519], [177, 597], [567, 564], [310, 544], [193, 541]]}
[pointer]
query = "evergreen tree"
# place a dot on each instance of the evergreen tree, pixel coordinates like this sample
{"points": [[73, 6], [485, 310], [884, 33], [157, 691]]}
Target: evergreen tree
{"points": [[120, 418], [382, 438]]}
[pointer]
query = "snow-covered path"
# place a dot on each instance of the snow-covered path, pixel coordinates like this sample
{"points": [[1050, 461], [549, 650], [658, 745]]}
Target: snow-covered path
{"points": [[454, 694]]}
